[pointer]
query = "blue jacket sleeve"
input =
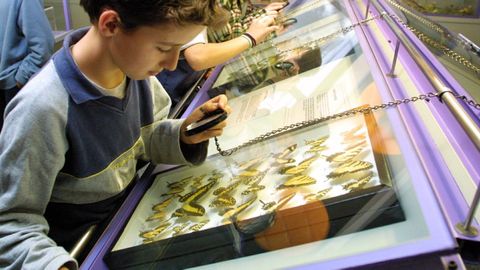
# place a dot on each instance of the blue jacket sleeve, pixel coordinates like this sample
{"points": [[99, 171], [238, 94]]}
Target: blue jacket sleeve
{"points": [[39, 38]]}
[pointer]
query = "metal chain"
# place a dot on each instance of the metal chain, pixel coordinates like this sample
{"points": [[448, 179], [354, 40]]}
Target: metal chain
{"points": [[421, 19], [342, 31], [347, 113], [431, 42]]}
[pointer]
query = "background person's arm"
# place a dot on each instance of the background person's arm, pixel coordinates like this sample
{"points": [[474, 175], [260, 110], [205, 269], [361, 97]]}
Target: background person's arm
{"points": [[39, 38], [206, 55]]}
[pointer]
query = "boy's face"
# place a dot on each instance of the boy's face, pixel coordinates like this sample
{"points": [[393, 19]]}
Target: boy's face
{"points": [[149, 49]]}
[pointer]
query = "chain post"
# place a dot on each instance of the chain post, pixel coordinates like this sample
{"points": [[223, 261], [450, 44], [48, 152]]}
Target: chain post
{"points": [[367, 9], [394, 62]]}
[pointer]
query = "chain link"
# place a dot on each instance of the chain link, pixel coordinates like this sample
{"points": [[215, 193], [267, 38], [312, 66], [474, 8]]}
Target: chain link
{"points": [[344, 114], [317, 42]]}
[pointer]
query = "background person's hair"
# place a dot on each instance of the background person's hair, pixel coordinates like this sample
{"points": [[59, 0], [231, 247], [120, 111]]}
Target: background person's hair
{"points": [[135, 13], [311, 59]]}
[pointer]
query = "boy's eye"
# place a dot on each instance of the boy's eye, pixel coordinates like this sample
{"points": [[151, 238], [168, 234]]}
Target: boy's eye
{"points": [[164, 49]]}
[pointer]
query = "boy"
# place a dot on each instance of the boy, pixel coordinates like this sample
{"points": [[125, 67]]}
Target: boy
{"points": [[72, 138]]}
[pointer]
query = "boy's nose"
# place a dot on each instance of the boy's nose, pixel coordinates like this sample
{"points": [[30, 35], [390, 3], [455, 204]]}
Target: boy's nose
{"points": [[171, 60]]}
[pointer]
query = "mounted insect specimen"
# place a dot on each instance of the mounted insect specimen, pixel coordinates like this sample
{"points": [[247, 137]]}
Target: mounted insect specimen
{"points": [[232, 213], [300, 168], [196, 227], [298, 181], [149, 236], [318, 195], [342, 157], [190, 207], [272, 206], [350, 167], [359, 183]]}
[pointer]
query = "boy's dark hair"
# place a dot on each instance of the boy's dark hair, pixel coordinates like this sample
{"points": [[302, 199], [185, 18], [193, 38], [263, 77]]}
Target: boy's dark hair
{"points": [[135, 13]]}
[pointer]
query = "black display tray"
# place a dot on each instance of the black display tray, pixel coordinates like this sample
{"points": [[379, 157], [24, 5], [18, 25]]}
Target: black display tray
{"points": [[349, 213]]}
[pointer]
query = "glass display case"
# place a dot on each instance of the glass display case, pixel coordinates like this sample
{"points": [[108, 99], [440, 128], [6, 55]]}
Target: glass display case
{"points": [[451, 8], [344, 149]]}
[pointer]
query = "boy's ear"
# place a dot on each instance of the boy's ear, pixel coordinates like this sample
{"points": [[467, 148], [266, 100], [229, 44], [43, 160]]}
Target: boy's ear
{"points": [[108, 23]]}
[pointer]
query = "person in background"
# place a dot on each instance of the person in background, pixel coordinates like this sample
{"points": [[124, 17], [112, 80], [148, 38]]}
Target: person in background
{"points": [[248, 26], [26, 44], [74, 134]]}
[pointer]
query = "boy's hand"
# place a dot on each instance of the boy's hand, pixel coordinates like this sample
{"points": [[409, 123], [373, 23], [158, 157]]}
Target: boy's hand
{"points": [[218, 102]]}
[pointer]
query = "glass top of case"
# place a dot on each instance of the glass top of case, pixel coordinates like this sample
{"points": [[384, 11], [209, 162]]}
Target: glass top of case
{"points": [[315, 38], [315, 193], [448, 8], [455, 51]]}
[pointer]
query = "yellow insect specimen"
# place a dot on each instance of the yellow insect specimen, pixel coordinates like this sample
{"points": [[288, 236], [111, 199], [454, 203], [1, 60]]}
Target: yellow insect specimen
{"points": [[155, 232], [297, 181], [223, 201], [157, 216], [180, 183], [345, 156], [284, 200], [163, 204], [173, 191], [301, 167], [190, 209], [195, 195], [226, 190], [249, 173], [266, 206], [198, 226], [317, 196], [350, 167], [253, 188], [253, 179], [177, 230], [360, 183], [287, 151], [233, 212], [317, 142], [250, 164], [316, 149]]}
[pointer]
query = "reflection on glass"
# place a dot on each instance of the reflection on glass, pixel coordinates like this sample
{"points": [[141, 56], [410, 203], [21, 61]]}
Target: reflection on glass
{"points": [[458, 53], [455, 7], [311, 41]]}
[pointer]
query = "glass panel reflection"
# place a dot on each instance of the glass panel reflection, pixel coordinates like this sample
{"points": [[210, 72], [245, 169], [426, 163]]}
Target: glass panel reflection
{"points": [[321, 34], [455, 7], [460, 55]]}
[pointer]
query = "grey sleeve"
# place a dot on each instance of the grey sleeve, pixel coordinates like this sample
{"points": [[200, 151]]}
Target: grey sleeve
{"points": [[32, 151], [164, 144]]}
